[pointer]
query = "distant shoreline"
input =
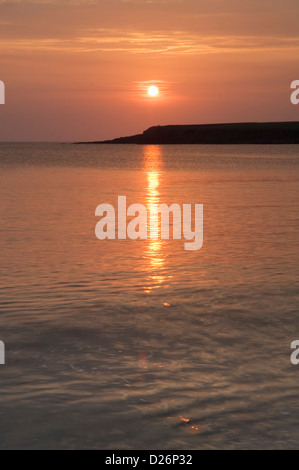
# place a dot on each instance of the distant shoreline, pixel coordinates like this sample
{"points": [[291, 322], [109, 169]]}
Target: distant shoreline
{"points": [[212, 134]]}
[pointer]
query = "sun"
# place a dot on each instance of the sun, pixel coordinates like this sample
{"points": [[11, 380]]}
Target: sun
{"points": [[153, 90]]}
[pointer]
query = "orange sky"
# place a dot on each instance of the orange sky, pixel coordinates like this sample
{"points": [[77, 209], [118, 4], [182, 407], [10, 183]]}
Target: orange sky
{"points": [[76, 69]]}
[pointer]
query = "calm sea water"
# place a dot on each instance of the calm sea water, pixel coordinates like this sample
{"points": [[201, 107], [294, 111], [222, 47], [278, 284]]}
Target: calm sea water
{"points": [[140, 344]]}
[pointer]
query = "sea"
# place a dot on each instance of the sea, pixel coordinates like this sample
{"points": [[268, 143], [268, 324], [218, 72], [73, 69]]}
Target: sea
{"points": [[141, 344]]}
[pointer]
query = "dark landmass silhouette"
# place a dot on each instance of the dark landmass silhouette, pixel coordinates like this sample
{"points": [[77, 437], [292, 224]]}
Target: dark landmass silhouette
{"points": [[239, 133]]}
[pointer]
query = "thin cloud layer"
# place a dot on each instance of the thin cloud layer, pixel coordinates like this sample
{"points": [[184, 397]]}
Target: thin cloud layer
{"points": [[156, 42]]}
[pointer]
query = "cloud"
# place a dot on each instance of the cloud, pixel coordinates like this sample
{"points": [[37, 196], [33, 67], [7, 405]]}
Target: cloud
{"points": [[156, 42]]}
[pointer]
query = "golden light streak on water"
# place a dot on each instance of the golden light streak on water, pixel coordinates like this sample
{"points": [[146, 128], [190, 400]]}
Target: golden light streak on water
{"points": [[153, 168]]}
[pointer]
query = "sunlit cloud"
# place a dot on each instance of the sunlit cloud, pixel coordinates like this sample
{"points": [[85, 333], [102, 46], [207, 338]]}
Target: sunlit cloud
{"points": [[134, 42]]}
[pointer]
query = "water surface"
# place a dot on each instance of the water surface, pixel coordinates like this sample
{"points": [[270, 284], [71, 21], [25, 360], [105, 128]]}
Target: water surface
{"points": [[140, 344]]}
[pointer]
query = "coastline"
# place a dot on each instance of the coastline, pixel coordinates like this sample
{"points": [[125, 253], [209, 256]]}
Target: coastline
{"points": [[265, 133]]}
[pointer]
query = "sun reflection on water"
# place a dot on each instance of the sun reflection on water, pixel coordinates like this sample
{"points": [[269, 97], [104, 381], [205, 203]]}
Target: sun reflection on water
{"points": [[153, 168]]}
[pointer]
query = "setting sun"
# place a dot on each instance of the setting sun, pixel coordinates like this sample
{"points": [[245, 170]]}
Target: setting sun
{"points": [[153, 91]]}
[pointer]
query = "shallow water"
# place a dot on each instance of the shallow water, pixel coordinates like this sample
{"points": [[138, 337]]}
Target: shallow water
{"points": [[141, 344]]}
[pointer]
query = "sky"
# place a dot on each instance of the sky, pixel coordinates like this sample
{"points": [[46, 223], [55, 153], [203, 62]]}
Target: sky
{"points": [[79, 69]]}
